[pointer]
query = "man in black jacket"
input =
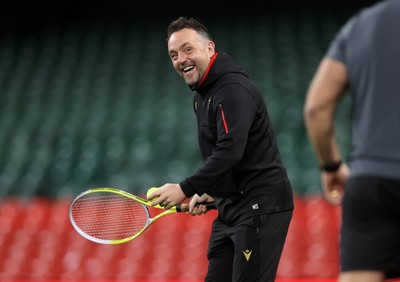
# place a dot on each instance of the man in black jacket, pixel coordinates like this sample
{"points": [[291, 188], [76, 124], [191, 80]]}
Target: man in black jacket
{"points": [[242, 169]]}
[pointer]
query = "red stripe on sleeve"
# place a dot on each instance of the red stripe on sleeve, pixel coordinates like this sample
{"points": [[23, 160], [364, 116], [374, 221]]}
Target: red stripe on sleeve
{"points": [[223, 118]]}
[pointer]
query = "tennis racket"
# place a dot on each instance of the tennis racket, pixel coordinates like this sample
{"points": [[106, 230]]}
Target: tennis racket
{"points": [[112, 216]]}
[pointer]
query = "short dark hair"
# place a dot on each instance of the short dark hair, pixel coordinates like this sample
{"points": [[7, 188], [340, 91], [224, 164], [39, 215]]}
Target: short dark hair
{"points": [[191, 23]]}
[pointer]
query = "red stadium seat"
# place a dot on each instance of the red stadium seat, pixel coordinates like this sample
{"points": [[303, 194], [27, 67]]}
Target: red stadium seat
{"points": [[37, 240]]}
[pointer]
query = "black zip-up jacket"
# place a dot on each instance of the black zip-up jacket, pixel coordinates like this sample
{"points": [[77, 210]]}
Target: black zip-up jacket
{"points": [[242, 165]]}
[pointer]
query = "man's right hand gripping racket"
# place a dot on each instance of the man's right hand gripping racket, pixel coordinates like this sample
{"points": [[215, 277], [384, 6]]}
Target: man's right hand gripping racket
{"points": [[112, 216]]}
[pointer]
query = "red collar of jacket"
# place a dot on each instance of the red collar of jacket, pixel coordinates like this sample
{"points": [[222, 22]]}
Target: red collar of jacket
{"points": [[213, 58]]}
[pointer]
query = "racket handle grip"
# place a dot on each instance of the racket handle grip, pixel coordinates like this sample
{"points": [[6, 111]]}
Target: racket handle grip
{"points": [[185, 207]]}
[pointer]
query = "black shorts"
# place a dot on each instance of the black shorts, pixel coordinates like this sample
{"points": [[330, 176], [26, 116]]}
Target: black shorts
{"points": [[370, 232], [249, 251]]}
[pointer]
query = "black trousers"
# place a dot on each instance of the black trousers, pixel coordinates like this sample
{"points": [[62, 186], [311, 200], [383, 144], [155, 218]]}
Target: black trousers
{"points": [[249, 251]]}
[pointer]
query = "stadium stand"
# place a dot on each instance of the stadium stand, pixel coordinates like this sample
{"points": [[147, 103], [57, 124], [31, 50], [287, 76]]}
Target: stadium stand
{"points": [[98, 103]]}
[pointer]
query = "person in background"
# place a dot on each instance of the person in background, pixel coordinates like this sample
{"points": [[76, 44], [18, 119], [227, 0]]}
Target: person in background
{"points": [[242, 170], [363, 60]]}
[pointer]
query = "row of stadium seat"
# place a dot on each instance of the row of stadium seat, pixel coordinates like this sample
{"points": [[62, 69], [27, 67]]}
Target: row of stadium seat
{"points": [[37, 242], [99, 104]]}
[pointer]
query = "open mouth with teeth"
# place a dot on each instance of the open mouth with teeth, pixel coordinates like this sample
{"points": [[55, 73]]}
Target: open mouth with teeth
{"points": [[188, 69]]}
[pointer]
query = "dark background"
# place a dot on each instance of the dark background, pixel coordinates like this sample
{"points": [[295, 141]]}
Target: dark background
{"points": [[25, 16], [88, 96]]}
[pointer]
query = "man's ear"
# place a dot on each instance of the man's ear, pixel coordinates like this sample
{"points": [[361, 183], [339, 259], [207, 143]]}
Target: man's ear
{"points": [[211, 48]]}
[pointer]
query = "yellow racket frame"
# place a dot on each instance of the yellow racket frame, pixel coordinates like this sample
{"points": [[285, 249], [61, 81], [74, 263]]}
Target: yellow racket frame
{"points": [[144, 202]]}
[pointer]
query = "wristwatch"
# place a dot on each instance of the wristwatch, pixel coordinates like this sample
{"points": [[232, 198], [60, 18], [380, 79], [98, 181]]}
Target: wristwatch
{"points": [[332, 167]]}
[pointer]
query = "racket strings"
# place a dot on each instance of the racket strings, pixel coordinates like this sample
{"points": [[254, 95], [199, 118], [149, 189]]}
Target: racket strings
{"points": [[109, 216]]}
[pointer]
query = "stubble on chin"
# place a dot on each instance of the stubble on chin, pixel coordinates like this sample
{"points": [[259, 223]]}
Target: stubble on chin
{"points": [[191, 82]]}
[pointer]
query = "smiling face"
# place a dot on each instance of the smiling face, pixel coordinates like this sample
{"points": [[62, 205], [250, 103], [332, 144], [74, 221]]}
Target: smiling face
{"points": [[190, 53]]}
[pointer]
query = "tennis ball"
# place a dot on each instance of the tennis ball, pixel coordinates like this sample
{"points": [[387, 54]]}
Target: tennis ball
{"points": [[150, 191]]}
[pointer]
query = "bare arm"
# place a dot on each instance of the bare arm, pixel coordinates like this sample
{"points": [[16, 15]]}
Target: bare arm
{"points": [[324, 94]]}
